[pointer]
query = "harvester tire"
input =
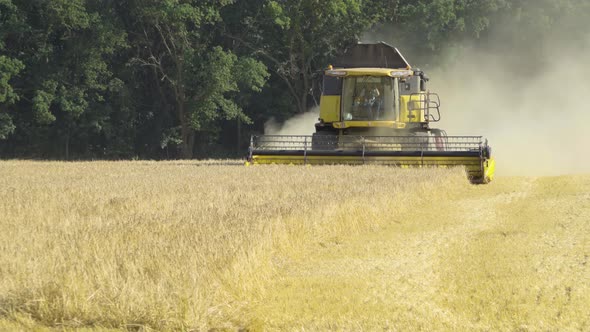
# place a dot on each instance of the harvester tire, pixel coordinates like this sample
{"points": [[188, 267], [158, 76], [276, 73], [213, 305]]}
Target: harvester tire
{"points": [[479, 180]]}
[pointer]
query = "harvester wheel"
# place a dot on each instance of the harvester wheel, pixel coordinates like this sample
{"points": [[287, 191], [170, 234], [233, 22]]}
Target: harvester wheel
{"points": [[479, 180]]}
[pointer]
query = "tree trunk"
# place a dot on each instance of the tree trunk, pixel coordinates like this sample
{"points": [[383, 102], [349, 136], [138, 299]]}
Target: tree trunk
{"points": [[239, 138], [67, 146], [303, 106], [186, 132], [306, 84]]}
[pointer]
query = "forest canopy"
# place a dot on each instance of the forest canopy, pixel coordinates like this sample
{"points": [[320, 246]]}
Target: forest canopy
{"points": [[158, 79]]}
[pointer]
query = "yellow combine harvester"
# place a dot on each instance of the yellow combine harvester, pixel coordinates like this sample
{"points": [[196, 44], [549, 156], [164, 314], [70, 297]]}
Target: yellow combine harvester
{"points": [[375, 109]]}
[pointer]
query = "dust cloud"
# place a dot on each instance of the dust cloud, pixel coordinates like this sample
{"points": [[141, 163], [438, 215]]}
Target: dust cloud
{"points": [[300, 124], [536, 124], [531, 99], [526, 91]]}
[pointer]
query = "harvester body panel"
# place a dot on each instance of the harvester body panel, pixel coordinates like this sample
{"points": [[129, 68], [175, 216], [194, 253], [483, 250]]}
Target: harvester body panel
{"points": [[330, 108]]}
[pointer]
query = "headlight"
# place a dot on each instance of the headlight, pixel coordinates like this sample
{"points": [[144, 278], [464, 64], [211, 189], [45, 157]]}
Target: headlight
{"points": [[401, 73], [336, 73]]}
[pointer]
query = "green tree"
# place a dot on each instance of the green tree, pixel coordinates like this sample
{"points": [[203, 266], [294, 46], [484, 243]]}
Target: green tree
{"points": [[9, 67], [298, 38], [425, 27], [162, 78], [180, 49], [65, 46]]}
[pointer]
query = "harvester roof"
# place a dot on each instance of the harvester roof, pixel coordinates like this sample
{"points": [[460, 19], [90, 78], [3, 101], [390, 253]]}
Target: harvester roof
{"points": [[379, 55], [345, 72]]}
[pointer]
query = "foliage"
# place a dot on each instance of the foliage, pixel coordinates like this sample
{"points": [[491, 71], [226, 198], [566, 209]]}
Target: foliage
{"points": [[199, 76], [175, 78], [8, 69], [296, 39]]}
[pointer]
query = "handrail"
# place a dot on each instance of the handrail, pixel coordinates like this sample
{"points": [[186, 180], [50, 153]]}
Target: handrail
{"points": [[365, 144]]}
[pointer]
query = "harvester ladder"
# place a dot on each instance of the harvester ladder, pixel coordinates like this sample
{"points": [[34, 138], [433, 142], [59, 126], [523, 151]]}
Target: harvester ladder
{"points": [[251, 149]]}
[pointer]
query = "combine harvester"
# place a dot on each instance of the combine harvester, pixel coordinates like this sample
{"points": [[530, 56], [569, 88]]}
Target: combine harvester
{"points": [[376, 109]]}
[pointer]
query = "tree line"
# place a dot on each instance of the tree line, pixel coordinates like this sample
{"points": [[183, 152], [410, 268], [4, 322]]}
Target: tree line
{"points": [[158, 79]]}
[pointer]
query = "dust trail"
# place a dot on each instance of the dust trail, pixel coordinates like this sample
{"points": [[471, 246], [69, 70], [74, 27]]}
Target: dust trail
{"points": [[525, 91], [537, 125], [300, 124]]}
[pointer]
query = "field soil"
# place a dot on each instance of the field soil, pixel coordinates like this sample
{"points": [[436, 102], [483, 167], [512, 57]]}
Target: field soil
{"points": [[215, 245]]}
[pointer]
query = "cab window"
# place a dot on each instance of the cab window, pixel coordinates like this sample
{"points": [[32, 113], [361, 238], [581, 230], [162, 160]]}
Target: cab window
{"points": [[368, 98]]}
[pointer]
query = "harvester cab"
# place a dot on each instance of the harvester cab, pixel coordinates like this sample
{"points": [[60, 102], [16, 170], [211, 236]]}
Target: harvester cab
{"points": [[363, 100], [376, 109]]}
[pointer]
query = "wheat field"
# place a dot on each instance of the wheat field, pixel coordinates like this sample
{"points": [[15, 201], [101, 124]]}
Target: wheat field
{"points": [[216, 245]]}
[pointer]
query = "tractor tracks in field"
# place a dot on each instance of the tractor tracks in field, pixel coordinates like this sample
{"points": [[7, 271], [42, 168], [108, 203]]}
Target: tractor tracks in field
{"points": [[481, 211], [389, 276]]}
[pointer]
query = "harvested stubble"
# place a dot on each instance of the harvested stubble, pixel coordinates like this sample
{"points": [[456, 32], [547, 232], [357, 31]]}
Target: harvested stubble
{"points": [[178, 245]]}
